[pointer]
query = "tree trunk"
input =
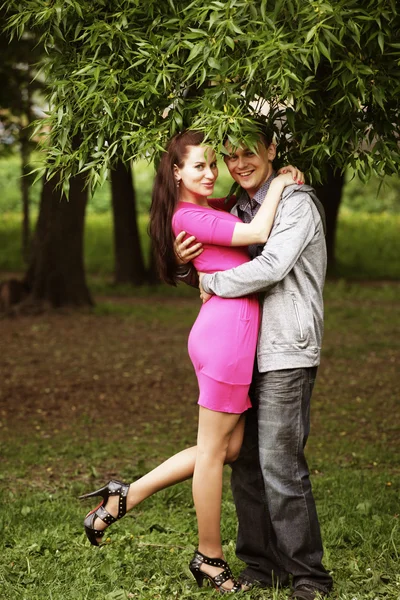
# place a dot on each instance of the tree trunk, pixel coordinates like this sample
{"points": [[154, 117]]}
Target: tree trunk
{"points": [[129, 264], [26, 229], [152, 275], [330, 194], [56, 274]]}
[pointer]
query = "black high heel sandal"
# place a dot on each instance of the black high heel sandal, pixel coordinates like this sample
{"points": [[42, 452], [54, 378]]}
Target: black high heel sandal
{"points": [[217, 581], [113, 488]]}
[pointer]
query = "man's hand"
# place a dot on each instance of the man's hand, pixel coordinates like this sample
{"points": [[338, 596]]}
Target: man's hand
{"points": [[186, 250], [203, 295], [298, 176]]}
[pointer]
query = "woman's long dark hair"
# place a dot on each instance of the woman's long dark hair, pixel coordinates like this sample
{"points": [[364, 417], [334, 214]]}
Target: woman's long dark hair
{"points": [[164, 200]]}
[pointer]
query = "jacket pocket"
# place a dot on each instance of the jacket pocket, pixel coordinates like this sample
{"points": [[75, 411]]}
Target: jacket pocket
{"points": [[284, 322], [296, 310]]}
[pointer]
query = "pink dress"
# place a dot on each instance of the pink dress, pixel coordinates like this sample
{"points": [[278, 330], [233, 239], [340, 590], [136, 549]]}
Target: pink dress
{"points": [[223, 339]]}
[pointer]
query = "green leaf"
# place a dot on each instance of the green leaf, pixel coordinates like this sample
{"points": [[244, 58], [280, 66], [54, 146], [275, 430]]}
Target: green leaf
{"points": [[229, 42], [324, 50], [60, 113], [235, 28], [214, 63], [381, 41], [310, 34], [316, 56], [195, 51], [194, 68], [107, 107], [214, 17], [83, 70]]}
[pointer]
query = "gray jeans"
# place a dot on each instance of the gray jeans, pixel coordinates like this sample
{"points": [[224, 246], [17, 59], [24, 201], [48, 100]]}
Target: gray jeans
{"points": [[279, 532]]}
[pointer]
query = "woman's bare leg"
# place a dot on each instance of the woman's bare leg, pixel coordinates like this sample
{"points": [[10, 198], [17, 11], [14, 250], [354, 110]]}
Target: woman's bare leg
{"points": [[215, 432], [174, 470]]}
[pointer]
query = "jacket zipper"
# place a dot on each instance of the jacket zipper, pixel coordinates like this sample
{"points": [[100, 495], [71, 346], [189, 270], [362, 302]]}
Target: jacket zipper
{"points": [[296, 309]]}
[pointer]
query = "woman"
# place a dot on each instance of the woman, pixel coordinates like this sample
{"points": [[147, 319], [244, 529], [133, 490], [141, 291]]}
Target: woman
{"points": [[222, 346]]}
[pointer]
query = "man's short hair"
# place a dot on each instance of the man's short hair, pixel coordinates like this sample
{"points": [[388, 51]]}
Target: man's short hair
{"points": [[265, 130]]}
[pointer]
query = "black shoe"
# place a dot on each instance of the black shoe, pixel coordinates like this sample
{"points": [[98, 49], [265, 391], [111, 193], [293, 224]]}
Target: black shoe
{"points": [[246, 584], [113, 488], [307, 592], [217, 581]]}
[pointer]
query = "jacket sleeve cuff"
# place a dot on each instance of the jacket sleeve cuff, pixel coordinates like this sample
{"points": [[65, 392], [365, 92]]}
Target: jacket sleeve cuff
{"points": [[205, 283], [182, 270]]}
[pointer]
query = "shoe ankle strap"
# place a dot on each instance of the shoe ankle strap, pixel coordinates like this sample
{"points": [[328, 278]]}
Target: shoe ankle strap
{"points": [[212, 562]]}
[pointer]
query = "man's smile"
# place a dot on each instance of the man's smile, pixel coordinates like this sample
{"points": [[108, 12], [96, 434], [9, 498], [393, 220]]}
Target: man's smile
{"points": [[245, 173]]}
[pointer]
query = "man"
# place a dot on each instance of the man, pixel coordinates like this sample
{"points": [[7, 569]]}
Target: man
{"points": [[279, 533]]}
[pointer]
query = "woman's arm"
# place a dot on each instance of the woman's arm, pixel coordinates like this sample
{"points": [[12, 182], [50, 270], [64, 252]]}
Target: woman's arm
{"points": [[258, 230]]}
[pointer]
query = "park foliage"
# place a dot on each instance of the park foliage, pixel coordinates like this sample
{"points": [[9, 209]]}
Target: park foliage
{"points": [[124, 76]]}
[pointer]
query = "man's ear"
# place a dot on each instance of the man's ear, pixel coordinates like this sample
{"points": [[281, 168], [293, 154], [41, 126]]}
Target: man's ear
{"points": [[271, 152]]}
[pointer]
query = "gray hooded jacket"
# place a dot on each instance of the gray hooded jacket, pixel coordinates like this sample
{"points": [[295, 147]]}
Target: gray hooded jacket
{"points": [[290, 271]]}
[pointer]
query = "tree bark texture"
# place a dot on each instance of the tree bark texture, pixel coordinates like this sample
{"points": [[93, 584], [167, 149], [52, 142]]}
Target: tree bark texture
{"points": [[152, 275], [25, 185], [56, 274], [330, 194], [129, 263]]}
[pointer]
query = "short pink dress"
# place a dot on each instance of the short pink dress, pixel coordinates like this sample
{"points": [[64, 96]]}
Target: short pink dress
{"points": [[223, 339]]}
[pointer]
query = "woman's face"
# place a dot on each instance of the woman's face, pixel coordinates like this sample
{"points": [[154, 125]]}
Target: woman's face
{"points": [[197, 176]]}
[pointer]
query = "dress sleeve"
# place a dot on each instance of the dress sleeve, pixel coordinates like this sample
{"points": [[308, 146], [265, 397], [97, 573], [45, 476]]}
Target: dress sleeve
{"points": [[207, 225]]}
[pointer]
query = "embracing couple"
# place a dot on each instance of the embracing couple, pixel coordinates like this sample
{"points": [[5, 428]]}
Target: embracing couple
{"points": [[255, 348]]}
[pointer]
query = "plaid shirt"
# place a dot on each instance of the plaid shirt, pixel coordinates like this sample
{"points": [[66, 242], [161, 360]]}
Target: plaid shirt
{"points": [[247, 209]]}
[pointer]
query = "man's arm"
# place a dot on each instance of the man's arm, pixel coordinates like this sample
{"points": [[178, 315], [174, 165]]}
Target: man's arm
{"points": [[293, 232]]}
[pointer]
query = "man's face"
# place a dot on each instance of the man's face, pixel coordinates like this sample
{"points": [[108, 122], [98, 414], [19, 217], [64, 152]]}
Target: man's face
{"points": [[248, 169]]}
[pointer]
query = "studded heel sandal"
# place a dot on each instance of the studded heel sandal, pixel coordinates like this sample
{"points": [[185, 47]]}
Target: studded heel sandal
{"points": [[113, 488], [218, 580]]}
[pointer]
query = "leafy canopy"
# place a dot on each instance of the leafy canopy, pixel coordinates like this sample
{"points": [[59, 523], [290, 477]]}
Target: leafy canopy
{"points": [[18, 87], [126, 75]]}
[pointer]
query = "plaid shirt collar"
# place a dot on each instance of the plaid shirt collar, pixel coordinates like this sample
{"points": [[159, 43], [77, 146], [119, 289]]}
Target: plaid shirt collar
{"points": [[247, 204]]}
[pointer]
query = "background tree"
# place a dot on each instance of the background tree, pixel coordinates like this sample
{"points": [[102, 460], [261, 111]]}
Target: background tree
{"points": [[129, 263], [327, 73], [56, 274], [55, 270], [18, 92]]}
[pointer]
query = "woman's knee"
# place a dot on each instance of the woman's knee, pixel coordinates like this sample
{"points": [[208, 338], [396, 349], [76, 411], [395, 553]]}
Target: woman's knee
{"points": [[212, 452]]}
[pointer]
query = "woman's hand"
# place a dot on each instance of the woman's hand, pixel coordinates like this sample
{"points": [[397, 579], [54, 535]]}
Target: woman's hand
{"points": [[297, 175], [186, 250], [283, 180]]}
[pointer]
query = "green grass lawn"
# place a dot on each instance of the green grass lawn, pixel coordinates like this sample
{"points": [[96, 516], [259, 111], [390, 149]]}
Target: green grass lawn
{"points": [[92, 395]]}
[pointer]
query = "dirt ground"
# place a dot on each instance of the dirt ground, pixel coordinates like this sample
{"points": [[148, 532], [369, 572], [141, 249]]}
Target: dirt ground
{"points": [[59, 370], [110, 374]]}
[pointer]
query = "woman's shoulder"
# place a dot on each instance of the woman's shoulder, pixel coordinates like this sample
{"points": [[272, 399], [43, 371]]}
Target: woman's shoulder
{"points": [[186, 208]]}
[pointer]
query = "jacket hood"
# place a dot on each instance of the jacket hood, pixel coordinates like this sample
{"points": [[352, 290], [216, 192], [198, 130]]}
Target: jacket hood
{"points": [[306, 189], [293, 189]]}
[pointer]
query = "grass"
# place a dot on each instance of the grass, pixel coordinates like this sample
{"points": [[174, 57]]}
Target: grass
{"points": [[94, 395], [368, 246]]}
